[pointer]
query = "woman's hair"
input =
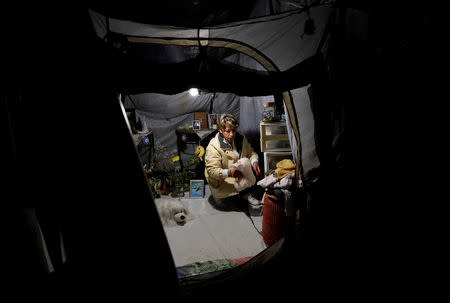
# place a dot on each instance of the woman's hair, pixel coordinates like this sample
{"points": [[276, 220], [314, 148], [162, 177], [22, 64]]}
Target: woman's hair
{"points": [[227, 120]]}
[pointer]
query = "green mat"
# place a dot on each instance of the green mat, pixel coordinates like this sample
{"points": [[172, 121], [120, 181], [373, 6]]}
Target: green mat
{"points": [[203, 267]]}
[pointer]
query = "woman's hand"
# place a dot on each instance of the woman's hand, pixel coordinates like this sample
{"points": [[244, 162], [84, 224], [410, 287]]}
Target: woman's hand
{"points": [[257, 170], [235, 173]]}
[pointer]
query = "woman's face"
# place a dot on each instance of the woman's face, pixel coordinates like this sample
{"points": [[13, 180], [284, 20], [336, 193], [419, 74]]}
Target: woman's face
{"points": [[228, 133]]}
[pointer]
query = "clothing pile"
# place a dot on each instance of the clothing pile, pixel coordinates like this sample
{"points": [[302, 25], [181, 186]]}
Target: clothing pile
{"points": [[277, 184]]}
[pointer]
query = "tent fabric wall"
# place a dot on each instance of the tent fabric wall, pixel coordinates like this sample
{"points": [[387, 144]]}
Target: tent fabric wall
{"points": [[164, 113], [286, 47], [303, 109], [269, 34], [279, 37]]}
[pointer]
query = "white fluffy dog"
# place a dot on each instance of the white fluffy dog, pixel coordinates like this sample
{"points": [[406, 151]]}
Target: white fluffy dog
{"points": [[172, 212], [248, 178]]}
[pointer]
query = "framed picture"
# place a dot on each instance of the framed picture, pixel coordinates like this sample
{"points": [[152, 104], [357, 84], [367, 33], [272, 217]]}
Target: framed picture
{"points": [[196, 189], [212, 121], [196, 124]]}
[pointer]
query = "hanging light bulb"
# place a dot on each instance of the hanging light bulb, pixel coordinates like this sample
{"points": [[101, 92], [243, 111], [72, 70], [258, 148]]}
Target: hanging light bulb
{"points": [[193, 92]]}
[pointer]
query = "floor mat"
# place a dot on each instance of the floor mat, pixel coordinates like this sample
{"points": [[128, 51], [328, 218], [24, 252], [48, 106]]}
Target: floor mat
{"points": [[198, 268], [214, 240]]}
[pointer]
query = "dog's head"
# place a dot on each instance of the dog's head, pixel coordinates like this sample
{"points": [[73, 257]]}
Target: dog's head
{"points": [[172, 212], [180, 218], [179, 213]]}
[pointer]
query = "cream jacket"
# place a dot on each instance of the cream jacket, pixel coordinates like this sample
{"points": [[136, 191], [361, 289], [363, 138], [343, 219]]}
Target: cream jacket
{"points": [[219, 156]]}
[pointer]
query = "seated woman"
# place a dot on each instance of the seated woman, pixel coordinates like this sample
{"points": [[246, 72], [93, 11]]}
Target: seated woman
{"points": [[225, 149]]}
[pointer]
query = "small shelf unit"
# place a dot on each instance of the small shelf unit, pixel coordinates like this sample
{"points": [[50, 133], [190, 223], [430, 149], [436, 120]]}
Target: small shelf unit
{"points": [[274, 143]]}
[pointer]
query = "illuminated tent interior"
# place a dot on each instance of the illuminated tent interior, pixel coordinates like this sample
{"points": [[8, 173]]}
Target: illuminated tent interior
{"points": [[240, 66], [112, 74], [145, 67]]}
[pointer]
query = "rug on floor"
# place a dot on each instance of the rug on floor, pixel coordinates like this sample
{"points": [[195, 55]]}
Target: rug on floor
{"points": [[198, 268]]}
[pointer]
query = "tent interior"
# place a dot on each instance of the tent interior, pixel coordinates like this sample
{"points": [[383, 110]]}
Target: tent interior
{"points": [[239, 70], [106, 145], [100, 126]]}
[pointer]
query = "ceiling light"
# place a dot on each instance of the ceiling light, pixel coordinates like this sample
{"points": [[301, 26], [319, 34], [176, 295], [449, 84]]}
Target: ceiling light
{"points": [[193, 92]]}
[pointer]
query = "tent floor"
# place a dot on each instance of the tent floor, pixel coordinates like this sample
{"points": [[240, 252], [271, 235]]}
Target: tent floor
{"points": [[213, 234]]}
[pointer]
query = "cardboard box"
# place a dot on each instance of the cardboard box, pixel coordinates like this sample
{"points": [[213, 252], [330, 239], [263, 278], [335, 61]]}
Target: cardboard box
{"points": [[203, 117]]}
